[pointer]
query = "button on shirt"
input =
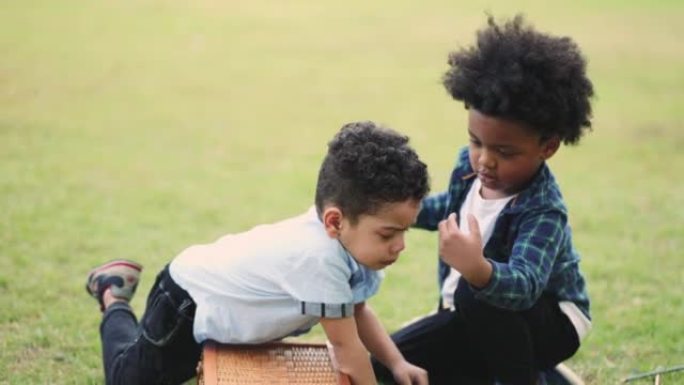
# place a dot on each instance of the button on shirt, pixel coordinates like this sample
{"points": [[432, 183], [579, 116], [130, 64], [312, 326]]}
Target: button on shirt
{"points": [[270, 282]]}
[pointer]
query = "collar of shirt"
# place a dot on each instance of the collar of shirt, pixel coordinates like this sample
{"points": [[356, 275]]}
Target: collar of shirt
{"points": [[349, 259], [354, 267]]}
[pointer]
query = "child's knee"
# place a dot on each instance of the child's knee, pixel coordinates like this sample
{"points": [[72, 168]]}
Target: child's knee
{"points": [[478, 314]]}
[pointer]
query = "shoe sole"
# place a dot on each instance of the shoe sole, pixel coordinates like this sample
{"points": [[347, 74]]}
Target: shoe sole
{"points": [[108, 265]]}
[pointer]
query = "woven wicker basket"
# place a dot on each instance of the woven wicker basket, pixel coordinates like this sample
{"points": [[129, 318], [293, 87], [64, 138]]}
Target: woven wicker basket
{"points": [[276, 363]]}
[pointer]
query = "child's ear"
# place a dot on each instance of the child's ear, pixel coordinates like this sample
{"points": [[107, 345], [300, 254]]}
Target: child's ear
{"points": [[332, 221], [549, 147]]}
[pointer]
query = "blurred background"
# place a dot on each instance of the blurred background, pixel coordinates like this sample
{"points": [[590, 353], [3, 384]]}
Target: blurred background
{"points": [[136, 128]]}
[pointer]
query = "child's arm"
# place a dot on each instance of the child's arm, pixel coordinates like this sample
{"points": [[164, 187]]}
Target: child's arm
{"points": [[518, 283], [383, 348], [434, 207], [350, 354], [432, 211]]}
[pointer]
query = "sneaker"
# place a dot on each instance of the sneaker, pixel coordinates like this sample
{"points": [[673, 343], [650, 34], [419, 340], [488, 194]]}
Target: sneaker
{"points": [[120, 275]]}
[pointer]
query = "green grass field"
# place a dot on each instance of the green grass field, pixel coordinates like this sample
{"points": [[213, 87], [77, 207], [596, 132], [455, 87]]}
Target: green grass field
{"points": [[136, 128]]}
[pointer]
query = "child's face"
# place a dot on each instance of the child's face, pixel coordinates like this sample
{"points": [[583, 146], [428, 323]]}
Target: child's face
{"points": [[376, 240], [505, 154]]}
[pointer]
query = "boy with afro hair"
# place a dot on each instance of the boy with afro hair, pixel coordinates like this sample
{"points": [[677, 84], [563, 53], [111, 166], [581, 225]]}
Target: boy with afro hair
{"points": [[513, 303]]}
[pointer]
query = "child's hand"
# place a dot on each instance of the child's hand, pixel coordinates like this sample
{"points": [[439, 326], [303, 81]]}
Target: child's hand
{"points": [[407, 374], [463, 251]]}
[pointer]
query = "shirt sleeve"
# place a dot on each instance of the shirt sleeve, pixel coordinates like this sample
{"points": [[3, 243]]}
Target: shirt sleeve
{"points": [[434, 207], [517, 284], [432, 211], [365, 283], [320, 284]]}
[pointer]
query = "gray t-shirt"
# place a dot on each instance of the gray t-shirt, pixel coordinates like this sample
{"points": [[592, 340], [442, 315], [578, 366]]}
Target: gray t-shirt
{"points": [[270, 282]]}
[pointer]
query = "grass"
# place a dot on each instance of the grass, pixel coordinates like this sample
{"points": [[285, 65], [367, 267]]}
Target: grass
{"points": [[135, 128]]}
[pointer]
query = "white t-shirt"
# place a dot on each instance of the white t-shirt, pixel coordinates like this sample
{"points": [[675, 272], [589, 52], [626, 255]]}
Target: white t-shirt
{"points": [[271, 282], [485, 211]]}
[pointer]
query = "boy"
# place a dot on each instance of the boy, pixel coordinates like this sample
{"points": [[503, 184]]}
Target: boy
{"points": [[513, 301], [280, 279]]}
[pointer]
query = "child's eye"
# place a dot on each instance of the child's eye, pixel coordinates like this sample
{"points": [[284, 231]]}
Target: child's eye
{"points": [[506, 153], [386, 237], [475, 142]]}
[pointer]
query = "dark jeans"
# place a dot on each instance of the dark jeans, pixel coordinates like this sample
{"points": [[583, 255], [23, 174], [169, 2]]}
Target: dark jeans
{"points": [[159, 350], [479, 344]]}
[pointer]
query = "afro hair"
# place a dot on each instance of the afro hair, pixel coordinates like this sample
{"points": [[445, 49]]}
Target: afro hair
{"points": [[515, 72]]}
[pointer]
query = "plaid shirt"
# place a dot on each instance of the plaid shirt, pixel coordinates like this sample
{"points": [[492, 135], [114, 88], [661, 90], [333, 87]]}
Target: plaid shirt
{"points": [[530, 250]]}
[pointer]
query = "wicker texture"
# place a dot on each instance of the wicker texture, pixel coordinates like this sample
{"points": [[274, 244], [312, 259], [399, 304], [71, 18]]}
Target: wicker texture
{"points": [[267, 364]]}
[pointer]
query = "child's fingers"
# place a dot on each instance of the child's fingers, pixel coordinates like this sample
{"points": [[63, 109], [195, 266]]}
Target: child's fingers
{"points": [[473, 225], [448, 227], [421, 379], [452, 226], [442, 227]]}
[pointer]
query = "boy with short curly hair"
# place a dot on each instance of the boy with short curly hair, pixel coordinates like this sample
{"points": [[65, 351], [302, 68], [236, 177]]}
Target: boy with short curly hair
{"points": [[280, 279], [513, 299]]}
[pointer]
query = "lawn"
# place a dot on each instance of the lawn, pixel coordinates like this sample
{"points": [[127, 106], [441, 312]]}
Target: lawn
{"points": [[136, 128]]}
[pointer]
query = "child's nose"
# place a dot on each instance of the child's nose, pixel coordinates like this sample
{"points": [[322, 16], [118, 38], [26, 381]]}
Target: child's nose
{"points": [[487, 159], [398, 246]]}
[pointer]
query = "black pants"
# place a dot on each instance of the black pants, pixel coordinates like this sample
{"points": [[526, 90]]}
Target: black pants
{"points": [[159, 350], [479, 344]]}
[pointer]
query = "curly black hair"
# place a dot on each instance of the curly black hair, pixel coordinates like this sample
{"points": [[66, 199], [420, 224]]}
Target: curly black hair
{"points": [[367, 166], [518, 73]]}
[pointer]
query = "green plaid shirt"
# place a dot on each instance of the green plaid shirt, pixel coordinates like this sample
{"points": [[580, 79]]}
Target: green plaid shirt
{"points": [[530, 250]]}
